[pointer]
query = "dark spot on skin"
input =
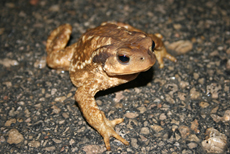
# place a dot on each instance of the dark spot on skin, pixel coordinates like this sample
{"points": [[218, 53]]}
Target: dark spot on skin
{"points": [[101, 58]]}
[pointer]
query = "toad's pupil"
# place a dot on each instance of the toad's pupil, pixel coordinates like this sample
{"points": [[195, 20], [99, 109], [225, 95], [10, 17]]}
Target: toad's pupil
{"points": [[123, 58], [153, 46]]}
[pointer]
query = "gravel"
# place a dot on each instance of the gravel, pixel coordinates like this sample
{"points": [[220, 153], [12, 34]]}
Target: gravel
{"points": [[182, 108]]}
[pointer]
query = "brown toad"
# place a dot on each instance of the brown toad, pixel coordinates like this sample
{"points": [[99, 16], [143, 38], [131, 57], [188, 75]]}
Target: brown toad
{"points": [[104, 57]]}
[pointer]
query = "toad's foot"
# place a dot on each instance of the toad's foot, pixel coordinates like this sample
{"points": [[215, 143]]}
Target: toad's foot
{"points": [[107, 130], [161, 54], [160, 50]]}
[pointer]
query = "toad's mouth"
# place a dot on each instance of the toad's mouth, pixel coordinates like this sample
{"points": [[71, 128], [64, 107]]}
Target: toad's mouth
{"points": [[129, 72]]}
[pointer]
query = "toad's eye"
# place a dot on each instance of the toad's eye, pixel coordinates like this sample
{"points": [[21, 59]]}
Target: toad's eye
{"points": [[124, 59], [153, 46]]}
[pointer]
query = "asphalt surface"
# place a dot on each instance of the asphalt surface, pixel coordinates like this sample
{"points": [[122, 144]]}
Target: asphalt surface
{"points": [[166, 110]]}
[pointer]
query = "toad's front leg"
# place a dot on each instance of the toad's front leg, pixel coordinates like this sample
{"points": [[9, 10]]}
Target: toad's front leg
{"points": [[160, 50], [96, 118]]}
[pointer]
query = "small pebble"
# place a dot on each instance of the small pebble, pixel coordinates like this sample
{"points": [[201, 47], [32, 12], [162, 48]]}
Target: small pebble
{"points": [[192, 145], [162, 116], [94, 149], [156, 128], [8, 62], [54, 8], [34, 144], [144, 130], [131, 115], [194, 94], [134, 143], [215, 141], [52, 148], [184, 131], [41, 63], [204, 104], [10, 121], [56, 109], [14, 137], [181, 47]]}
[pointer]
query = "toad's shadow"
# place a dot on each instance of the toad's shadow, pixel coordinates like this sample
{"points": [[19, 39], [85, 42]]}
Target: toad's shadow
{"points": [[142, 80]]}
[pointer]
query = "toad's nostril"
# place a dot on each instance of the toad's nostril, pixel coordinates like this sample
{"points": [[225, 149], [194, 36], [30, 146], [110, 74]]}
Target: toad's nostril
{"points": [[142, 58]]}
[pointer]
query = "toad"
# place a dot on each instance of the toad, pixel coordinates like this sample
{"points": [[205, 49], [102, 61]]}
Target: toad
{"points": [[106, 56]]}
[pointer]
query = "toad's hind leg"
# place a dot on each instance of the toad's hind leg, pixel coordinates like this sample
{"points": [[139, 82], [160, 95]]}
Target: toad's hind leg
{"points": [[58, 55]]}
